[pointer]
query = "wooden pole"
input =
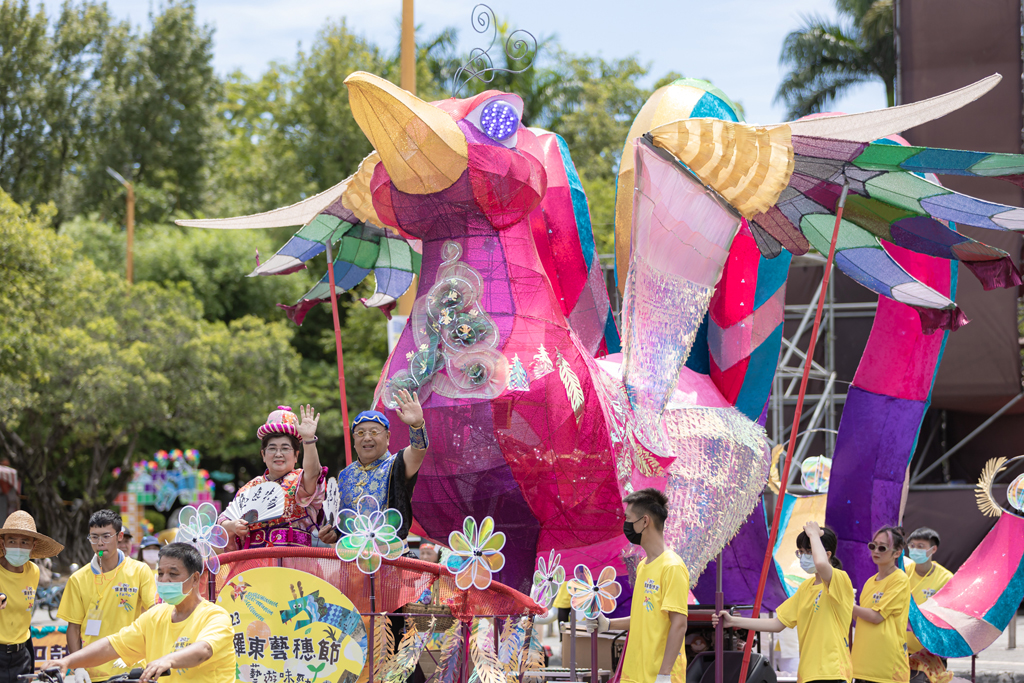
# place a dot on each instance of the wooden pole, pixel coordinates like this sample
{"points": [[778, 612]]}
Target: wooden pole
{"points": [[408, 83], [130, 222], [792, 439], [341, 355]]}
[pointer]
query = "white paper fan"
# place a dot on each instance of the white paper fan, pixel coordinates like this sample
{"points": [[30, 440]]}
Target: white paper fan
{"points": [[261, 503], [332, 502]]}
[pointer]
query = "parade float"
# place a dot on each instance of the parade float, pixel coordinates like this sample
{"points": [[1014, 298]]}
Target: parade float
{"points": [[545, 410]]}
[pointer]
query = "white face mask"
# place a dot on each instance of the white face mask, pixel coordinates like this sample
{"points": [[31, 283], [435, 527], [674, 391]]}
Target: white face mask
{"points": [[807, 563], [151, 555]]}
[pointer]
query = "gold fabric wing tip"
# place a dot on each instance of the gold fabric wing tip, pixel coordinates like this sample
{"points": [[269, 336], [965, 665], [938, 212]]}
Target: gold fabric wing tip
{"points": [[749, 166], [357, 197], [988, 506]]}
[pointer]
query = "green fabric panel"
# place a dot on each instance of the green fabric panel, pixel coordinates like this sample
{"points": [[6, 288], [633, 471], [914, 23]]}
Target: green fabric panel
{"points": [[874, 216], [416, 259], [318, 229], [884, 157], [399, 254], [384, 254], [904, 190], [818, 230], [358, 252], [999, 164]]}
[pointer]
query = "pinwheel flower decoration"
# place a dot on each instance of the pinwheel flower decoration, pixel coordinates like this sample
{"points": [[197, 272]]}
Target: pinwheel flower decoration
{"points": [[475, 553], [370, 534], [547, 580], [590, 599], [198, 527]]}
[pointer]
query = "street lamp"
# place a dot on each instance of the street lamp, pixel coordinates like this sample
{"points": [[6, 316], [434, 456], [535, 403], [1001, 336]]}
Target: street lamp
{"points": [[130, 219]]}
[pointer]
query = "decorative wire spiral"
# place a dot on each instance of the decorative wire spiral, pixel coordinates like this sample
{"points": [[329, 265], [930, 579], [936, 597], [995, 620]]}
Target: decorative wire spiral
{"points": [[521, 45]]}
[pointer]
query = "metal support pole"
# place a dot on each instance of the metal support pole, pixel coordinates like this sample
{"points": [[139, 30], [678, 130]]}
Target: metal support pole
{"points": [[1011, 633], [963, 442], [373, 619], [467, 634], [593, 657], [572, 645], [719, 628]]}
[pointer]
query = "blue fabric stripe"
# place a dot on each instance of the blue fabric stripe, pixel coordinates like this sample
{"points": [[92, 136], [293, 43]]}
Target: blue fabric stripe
{"points": [[699, 359], [611, 334], [771, 274], [941, 641], [757, 383], [579, 204]]}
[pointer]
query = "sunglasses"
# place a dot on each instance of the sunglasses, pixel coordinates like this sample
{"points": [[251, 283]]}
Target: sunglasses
{"points": [[880, 548]]}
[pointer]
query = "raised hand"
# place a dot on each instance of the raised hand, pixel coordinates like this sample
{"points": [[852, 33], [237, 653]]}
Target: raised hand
{"points": [[310, 419], [813, 530], [409, 409]]}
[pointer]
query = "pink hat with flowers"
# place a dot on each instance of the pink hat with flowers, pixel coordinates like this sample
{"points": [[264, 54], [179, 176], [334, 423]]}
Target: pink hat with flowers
{"points": [[281, 421]]}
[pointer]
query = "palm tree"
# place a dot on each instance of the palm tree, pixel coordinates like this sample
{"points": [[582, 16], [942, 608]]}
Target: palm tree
{"points": [[827, 58]]}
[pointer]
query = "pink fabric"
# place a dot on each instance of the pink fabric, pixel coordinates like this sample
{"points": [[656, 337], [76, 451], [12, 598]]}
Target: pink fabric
{"points": [[981, 580], [734, 296], [900, 358], [694, 389]]}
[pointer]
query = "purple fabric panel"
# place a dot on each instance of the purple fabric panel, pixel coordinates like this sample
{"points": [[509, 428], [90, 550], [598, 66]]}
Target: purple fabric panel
{"points": [[868, 469], [742, 560], [933, 320], [338, 210], [824, 148], [999, 274], [963, 209]]}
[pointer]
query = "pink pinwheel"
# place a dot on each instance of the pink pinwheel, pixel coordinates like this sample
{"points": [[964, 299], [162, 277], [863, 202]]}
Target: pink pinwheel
{"points": [[198, 527], [547, 580], [476, 553], [590, 599], [370, 535]]}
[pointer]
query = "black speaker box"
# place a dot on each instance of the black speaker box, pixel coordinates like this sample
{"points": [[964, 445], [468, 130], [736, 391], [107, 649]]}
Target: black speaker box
{"points": [[702, 668]]}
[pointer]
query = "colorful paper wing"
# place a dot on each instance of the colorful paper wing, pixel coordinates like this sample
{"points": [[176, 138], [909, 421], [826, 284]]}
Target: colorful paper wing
{"points": [[680, 242], [971, 611]]}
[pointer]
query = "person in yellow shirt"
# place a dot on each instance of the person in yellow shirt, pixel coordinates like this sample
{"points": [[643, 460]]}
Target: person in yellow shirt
{"points": [[925, 574], [186, 635], [105, 596], [562, 603], [19, 579], [880, 638], [821, 609], [657, 615]]}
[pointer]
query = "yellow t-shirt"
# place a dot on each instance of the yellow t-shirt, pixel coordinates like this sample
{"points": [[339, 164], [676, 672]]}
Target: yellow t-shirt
{"points": [[154, 635], [822, 616], [562, 597], [113, 599], [661, 587], [20, 589], [880, 650], [922, 588]]}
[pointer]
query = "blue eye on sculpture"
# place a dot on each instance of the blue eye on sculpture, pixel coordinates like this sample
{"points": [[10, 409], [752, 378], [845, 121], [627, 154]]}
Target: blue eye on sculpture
{"points": [[499, 120]]}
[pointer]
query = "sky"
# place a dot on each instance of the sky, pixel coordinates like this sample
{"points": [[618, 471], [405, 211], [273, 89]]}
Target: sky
{"points": [[733, 43]]}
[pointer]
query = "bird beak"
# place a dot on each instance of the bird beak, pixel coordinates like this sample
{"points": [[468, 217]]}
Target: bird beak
{"points": [[421, 147]]}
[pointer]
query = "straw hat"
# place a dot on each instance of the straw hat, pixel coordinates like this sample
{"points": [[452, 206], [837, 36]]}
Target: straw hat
{"points": [[20, 523]]}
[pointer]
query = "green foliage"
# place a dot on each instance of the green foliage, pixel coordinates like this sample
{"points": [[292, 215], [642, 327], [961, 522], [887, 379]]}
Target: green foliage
{"points": [[91, 365], [87, 93], [827, 58]]}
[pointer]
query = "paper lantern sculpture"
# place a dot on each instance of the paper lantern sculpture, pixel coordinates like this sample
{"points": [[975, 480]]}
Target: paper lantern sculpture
{"points": [[171, 476], [512, 331]]}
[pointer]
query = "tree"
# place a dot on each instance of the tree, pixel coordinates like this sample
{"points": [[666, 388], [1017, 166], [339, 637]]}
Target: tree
{"points": [[827, 58], [91, 365], [154, 119]]}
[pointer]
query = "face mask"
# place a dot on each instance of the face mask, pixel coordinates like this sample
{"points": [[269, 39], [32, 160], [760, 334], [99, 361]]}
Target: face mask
{"points": [[171, 591], [151, 555], [632, 535], [17, 556], [918, 555], [807, 563]]}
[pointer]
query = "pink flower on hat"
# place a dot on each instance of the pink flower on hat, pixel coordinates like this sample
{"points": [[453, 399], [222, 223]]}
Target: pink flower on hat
{"points": [[281, 421]]}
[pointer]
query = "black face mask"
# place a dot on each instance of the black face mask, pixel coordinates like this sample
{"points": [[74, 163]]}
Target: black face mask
{"points": [[632, 535]]}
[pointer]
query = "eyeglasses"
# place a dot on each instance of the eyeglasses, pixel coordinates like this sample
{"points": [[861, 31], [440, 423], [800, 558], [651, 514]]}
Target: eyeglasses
{"points": [[362, 433], [284, 450], [802, 553], [878, 547], [102, 538]]}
